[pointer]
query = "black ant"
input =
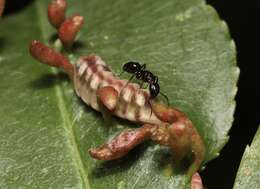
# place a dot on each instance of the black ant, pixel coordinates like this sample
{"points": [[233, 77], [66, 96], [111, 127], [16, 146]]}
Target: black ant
{"points": [[140, 72]]}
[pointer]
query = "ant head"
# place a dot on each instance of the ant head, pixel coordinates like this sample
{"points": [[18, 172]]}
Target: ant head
{"points": [[132, 67], [154, 89]]}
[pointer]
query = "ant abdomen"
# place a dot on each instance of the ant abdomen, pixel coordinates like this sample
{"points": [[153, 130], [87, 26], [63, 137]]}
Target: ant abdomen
{"points": [[154, 89]]}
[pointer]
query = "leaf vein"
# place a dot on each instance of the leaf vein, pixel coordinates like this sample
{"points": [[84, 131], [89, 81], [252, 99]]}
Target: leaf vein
{"points": [[67, 123]]}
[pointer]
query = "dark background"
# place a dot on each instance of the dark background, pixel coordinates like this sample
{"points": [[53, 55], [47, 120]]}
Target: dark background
{"points": [[243, 20], [241, 17]]}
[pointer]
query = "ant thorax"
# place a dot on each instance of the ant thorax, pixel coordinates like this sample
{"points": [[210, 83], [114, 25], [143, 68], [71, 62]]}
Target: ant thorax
{"points": [[91, 74]]}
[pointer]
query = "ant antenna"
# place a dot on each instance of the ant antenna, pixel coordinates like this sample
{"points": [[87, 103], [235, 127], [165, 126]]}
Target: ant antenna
{"points": [[131, 78], [167, 99]]}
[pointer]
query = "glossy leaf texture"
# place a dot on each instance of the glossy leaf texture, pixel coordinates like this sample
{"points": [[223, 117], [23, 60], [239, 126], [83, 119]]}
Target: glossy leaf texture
{"points": [[249, 169], [45, 128]]}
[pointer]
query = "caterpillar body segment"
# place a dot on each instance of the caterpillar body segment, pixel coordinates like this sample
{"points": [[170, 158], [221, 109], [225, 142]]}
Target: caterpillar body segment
{"points": [[92, 75]]}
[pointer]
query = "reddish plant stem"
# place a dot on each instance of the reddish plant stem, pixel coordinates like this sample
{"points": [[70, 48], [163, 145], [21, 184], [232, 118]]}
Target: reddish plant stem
{"points": [[174, 136], [56, 12], [121, 144], [2, 5], [48, 56], [185, 141], [129, 138], [178, 133], [69, 29]]}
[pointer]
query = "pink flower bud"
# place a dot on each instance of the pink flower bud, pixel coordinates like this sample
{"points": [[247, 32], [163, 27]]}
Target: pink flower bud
{"points": [[69, 29], [48, 56], [56, 12]]}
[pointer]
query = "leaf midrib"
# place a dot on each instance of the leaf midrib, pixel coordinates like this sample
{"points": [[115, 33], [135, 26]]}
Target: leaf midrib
{"points": [[66, 121]]}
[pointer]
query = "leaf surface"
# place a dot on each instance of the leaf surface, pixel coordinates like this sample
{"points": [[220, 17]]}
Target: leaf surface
{"points": [[249, 169], [46, 130]]}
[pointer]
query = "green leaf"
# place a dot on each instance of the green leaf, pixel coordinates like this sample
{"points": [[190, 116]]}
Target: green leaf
{"points": [[46, 130], [249, 169]]}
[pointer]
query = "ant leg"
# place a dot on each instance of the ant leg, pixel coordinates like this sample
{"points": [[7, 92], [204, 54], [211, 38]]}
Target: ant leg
{"points": [[156, 79], [144, 85], [127, 82], [141, 86], [167, 99], [150, 107], [143, 67], [120, 73], [132, 77]]}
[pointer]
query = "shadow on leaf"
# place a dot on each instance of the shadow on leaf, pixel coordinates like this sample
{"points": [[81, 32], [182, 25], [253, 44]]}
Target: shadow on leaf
{"points": [[14, 6], [167, 164], [49, 80], [77, 45], [53, 38], [2, 43], [120, 165]]}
